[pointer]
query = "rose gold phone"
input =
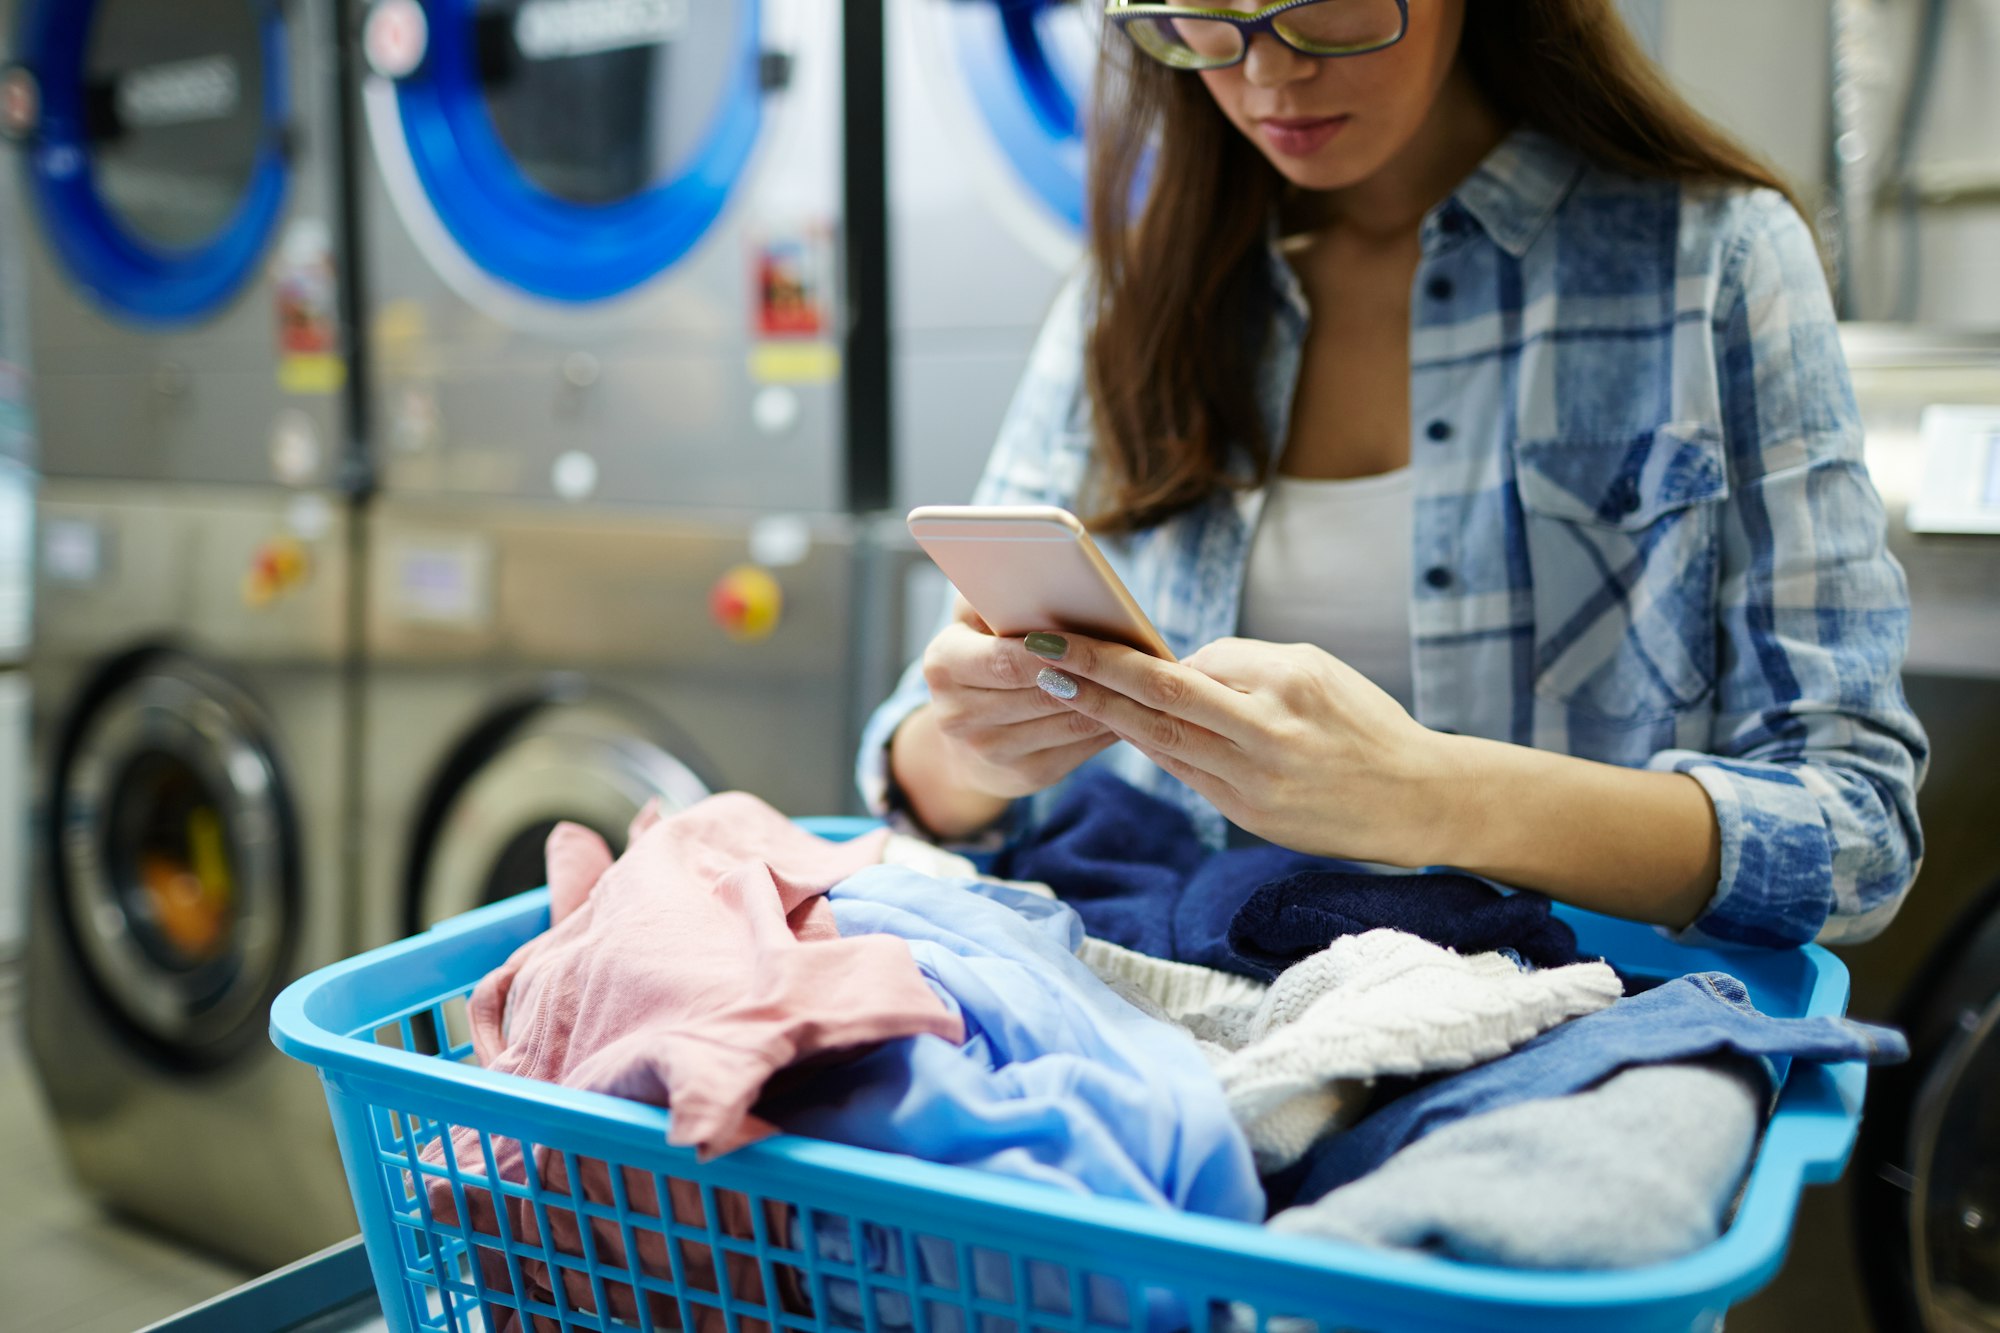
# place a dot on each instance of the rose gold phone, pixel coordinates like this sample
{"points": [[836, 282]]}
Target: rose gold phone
{"points": [[1032, 567]]}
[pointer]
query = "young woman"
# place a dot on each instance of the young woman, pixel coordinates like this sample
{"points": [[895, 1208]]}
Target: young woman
{"points": [[1469, 416]]}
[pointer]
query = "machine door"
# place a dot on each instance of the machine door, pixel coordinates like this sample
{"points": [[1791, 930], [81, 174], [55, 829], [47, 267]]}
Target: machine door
{"points": [[176, 858], [565, 754], [156, 153], [1028, 64], [570, 149], [1928, 1199]]}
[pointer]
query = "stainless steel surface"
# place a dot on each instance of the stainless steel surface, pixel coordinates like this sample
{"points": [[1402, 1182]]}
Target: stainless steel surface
{"points": [[665, 396], [201, 403], [550, 650], [14, 807], [975, 257], [585, 761], [231, 1146], [1954, 580]]}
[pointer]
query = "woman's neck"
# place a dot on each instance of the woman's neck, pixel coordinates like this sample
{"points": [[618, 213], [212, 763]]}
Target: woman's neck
{"points": [[1454, 138]]}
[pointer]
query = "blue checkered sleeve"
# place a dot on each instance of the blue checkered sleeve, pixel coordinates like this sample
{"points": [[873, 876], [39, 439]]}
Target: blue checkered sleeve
{"points": [[1815, 757]]}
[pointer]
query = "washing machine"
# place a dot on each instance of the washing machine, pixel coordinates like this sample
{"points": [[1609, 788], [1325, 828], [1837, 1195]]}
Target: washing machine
{"points": [[986, 107], [610, 553], [17, 523], [1909, 1240], [176, 179]]}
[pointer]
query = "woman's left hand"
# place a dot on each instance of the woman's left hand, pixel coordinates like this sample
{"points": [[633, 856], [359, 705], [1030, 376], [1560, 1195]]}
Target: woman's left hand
{"points": [[1286, 740]]}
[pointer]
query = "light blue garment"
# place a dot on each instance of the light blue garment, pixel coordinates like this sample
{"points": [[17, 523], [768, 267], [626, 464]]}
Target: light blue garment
{"points": [[1644, 533], [1059, 1080]]}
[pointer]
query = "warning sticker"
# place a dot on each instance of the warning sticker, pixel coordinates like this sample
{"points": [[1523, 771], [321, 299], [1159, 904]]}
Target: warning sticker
{"points": [[308, 312], [795, 307]]}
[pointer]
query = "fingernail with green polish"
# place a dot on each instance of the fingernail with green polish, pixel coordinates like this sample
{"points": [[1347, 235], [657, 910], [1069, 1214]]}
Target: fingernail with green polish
{"points": [[1056, 683], [1050, 646]]}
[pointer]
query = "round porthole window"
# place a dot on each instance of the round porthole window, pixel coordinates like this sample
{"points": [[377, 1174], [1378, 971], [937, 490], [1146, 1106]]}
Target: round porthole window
{"points": [[575, 148], [157, 159]]}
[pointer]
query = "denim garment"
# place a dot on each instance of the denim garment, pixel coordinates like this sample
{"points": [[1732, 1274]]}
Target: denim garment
{"points": [[1697, 1015], [1059, 1080], [1644, 533]]}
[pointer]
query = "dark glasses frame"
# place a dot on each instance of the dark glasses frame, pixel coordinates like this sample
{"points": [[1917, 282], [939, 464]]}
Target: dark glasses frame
{"points": [[1125, 13]]}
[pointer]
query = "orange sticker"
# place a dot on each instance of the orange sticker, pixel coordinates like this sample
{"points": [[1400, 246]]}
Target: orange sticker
{"points": [[746, 603]]}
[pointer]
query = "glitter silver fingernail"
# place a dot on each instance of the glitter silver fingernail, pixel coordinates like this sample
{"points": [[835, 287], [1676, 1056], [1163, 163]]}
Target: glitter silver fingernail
{"points": [[1056, 683]]}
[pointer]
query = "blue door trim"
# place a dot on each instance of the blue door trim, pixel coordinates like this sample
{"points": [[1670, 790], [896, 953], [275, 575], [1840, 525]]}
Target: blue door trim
{"points": [[523, 235], [1031, 111], [122, 271]]}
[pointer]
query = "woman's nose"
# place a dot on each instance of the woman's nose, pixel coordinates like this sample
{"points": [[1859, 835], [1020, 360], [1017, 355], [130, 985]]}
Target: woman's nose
{"points": [[1269, 63]]}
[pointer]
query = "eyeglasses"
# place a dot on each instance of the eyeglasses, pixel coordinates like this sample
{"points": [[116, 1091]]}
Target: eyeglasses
{"points": [[1187, 37]]}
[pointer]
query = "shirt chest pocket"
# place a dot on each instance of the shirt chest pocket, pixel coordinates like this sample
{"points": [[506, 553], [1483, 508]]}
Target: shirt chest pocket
{"points": [[1622, 548]]}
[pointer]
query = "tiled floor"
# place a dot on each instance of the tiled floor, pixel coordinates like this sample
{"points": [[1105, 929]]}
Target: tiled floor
{"points": [[65, 1267]]}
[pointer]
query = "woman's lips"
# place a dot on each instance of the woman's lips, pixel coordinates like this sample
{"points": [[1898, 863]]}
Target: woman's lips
{"points": [[1300, 136]]}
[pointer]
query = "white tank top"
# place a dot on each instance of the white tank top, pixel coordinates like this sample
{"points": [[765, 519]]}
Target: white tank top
{"points": [[1330, 566]]}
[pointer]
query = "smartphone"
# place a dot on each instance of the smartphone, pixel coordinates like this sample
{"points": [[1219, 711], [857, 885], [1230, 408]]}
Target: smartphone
{"points": [[1033, 567]]}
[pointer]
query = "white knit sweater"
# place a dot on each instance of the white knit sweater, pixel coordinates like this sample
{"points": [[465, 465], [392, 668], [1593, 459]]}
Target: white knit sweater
{"points": [[1296, 1058]]}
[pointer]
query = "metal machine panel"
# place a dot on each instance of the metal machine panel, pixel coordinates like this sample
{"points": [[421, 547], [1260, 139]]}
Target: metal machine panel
{"points": [[985, 194], [525, 640], [1901, 375], [191, 717], [180, 265], [695, 364]]}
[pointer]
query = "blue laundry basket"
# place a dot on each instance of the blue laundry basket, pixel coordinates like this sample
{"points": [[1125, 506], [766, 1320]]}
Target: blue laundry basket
{"points": [[797, 1234]]}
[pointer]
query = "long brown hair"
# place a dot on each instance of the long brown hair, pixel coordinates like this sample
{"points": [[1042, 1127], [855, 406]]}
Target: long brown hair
{"points": [[1182, 293]]}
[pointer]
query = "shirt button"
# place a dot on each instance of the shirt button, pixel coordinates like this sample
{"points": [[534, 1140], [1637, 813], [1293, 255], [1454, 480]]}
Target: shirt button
{"points": [[1438, 430], [1438, 576], [1439, 289]]}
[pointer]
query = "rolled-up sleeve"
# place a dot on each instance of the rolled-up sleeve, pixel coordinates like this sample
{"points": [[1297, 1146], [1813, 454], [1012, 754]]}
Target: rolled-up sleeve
{"points": [[1815, 761], [1039, 457]]}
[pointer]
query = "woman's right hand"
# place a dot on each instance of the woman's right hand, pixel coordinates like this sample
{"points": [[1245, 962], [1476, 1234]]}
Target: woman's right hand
{"points": [[988, 735]]}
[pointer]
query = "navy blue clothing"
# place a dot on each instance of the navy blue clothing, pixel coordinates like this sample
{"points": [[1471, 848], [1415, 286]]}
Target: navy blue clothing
{"points": [[1139, 875], [1289, 921], [1704, 1013]]}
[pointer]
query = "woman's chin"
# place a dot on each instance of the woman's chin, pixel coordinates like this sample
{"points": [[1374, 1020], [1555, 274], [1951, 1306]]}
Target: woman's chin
{"points": [[1334, 167]]}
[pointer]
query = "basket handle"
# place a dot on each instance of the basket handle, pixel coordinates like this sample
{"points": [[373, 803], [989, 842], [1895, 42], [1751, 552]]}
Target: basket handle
{"points": [[1821, 1110]]}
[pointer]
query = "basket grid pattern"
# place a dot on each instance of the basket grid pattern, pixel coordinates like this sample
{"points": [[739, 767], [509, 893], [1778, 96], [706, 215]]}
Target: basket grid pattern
{"points": [[859, 1274], [489, 1202]]}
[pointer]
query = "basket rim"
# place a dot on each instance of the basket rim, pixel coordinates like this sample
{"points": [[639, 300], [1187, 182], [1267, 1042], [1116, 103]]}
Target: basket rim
{"points": [[1807, 1140]]}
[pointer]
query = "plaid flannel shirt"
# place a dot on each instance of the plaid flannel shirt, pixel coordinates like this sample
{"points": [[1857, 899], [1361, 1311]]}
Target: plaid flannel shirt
{"points": [[1644, 533]]}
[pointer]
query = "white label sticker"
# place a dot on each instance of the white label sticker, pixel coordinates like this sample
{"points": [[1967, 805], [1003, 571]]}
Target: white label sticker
{"points": [[780, 541], [574, 475], [179, 93], [295, 453], [552, 29], [442, 583], [395, 38], [309, 516], [72, 550]]}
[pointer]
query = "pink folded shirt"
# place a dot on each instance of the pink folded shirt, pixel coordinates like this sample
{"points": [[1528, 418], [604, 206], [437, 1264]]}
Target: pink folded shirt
{"points": [[683, 974], [698, 964]]}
